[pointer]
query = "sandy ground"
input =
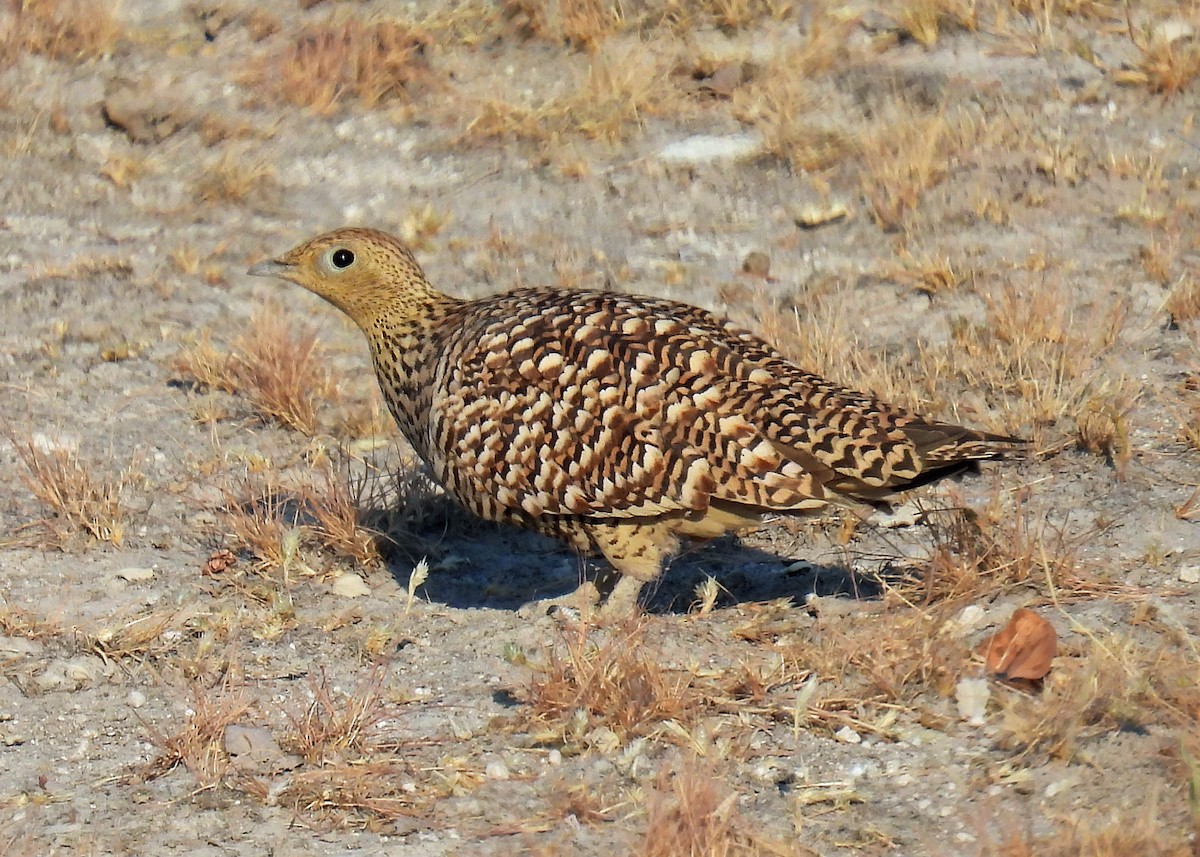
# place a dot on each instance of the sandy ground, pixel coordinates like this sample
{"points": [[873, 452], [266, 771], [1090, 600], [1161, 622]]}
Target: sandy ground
{"points": [[1061, 216]]}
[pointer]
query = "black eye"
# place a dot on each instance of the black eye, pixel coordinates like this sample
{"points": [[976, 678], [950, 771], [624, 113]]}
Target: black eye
{"points": [[342, 258]]}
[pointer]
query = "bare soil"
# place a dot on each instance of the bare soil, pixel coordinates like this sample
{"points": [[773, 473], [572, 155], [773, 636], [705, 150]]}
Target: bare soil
{"points": [[1001, 230]]}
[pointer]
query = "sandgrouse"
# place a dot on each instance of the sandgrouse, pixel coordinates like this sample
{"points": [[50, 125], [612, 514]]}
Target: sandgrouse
{"points": [[614, 422]]}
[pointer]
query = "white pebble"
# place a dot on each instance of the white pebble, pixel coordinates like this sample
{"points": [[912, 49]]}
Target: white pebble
{"points": [[707, 148], [134, 575], [496, 770], [136, 699], [350, 585], [970, 618], [1066, 784], [848, 735], [971, 696]]}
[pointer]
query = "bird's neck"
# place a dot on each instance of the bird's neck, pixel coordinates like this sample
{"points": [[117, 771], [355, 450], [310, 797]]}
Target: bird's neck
{"points": [[405, 334], [405, 346]]}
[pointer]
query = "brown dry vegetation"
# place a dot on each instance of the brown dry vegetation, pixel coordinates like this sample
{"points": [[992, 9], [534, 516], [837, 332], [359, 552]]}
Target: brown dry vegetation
{"points": [[281, 372], [329, 64], [77, 31], [79, 498]]}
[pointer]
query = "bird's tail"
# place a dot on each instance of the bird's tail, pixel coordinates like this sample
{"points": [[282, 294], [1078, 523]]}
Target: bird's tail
{"points": [[939, 444]]}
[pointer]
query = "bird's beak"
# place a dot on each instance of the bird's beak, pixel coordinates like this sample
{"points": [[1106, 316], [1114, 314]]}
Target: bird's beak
{"points": [[271, 268]]}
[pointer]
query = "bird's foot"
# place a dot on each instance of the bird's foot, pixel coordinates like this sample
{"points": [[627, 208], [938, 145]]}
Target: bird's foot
{"points": [[581, 602]]}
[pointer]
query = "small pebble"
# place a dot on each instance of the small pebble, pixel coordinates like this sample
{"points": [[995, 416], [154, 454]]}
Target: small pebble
{"points": [[708, 148], [136, 699], [242, 740], [496, 770], [350, 585], [969, 620], [1190, 574], [971, 696], [71, 674], [848, 735], [135, 575]]}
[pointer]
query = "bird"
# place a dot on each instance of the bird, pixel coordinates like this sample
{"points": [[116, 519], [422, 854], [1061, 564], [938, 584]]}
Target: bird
{"points": [[616, 423]]}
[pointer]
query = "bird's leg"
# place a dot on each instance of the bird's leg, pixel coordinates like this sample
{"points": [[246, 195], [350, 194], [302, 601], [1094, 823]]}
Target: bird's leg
{"points": [[637, 550], [623, 599]]}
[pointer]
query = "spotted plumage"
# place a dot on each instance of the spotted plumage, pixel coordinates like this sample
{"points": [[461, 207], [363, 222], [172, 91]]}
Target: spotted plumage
{"points": [[614, 422]]}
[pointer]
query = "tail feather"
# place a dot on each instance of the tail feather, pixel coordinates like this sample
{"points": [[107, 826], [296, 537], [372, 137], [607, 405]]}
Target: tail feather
{"points": [[942, 444]]}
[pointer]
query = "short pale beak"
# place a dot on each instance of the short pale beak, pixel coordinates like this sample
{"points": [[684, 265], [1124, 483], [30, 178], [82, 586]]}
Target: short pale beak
{"points": [[270, 268]]}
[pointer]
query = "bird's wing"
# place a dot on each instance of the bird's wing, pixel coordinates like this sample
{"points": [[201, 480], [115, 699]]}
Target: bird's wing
{"points": [[607, 406], [560, 421], [854, 444]]}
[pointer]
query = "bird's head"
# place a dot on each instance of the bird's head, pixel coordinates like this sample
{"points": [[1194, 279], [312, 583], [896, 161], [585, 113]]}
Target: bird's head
{"points": [[363, 272]]}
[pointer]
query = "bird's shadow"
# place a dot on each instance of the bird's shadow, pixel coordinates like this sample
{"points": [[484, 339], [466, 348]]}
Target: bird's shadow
{"points": [[478, 564]]}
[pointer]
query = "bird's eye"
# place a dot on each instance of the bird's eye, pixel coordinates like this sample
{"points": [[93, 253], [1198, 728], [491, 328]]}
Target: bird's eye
{"points": [[342, 258]]}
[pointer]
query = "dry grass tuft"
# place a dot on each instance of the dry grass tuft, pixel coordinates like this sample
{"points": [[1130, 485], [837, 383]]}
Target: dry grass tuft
{"points": [[17, 621], [606, 679], [784, 102], [1189, 410], [199, 744], [1102, 428], [905, 159], [1160, 255], [335, 723], [138, 637], [329, 519], [1092, 835], [981, 553], [894, 659], [280, 371], [619, 89], [587, 25], [582, 24], [327, 65], [232, 178], [691, 813], [1033, 357], [76, 30], [354, 778], [1183, 301], [348, 777], [929, 273], [1168, 63], [358, 793], [924, 21], [734, 14], [264, 522], [80, 500], [339, 518], [207, 365], [421, 224]]}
